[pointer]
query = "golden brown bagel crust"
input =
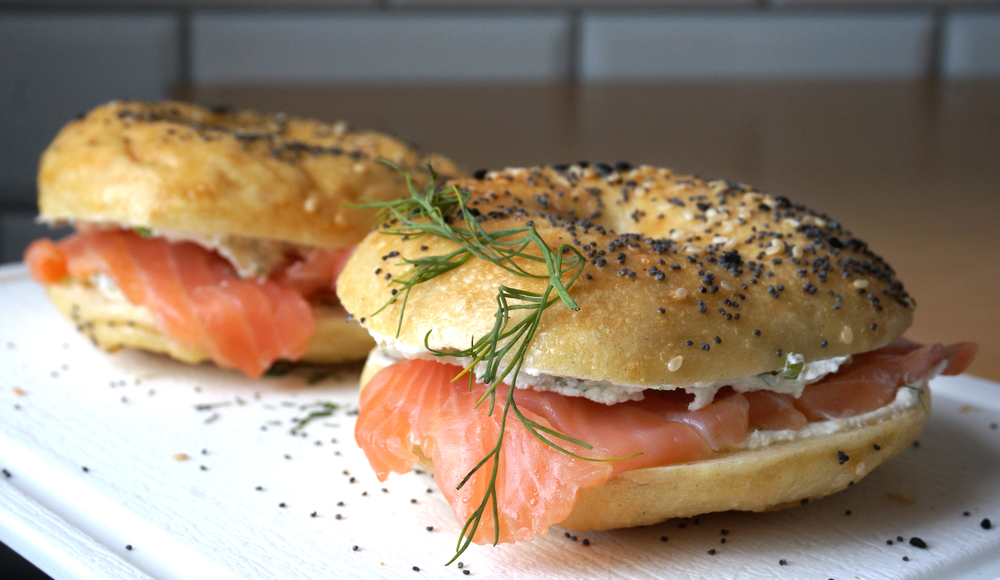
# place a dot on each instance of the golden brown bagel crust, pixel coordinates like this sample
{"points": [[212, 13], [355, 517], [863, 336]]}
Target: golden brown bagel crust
{"points": [[116, 324], [179, 166], [763, 278], [778, 476]]}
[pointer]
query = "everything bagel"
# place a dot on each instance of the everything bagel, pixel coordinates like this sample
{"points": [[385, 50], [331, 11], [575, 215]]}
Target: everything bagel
{"points": [[730, 350], [212, 233]]}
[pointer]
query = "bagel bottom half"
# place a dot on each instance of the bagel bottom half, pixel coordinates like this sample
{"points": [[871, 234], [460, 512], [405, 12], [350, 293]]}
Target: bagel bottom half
{"points": [[114, 324], [775, 477]]}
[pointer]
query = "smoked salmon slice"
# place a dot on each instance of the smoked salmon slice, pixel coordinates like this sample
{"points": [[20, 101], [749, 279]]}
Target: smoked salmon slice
{"points": [[195, 295], [413, 409], [869, 381], [414, 403]]}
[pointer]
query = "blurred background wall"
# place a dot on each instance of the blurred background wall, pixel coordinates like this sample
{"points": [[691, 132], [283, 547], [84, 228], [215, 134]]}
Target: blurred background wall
{"points": [[59, 58]]}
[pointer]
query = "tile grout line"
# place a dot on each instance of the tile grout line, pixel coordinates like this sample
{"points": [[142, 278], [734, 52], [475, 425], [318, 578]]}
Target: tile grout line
{"points": [[575, 56], [936, 49], [184, 50]]}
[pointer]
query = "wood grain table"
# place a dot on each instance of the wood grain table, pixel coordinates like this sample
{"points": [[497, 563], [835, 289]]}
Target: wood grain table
{"points": [[913, 168]]}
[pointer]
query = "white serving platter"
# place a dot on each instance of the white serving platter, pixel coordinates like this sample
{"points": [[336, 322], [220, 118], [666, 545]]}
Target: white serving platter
{"points": [[137, 512]]}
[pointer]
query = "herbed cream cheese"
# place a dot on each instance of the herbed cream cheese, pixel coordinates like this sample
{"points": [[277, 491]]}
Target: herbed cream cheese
{"points": [[106, 286], [250, 257], [907, 397], [796, 375]]}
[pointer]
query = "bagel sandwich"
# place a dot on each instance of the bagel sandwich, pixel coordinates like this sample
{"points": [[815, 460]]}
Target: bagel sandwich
{"points": [[601, 346], [210, 233]]}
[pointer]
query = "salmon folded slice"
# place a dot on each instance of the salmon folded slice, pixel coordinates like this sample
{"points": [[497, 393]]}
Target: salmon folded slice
{"points": [[195, 295], [413, 409]]}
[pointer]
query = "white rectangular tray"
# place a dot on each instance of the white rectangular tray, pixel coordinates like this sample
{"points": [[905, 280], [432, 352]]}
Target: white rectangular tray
{"points": [[125, 416]]}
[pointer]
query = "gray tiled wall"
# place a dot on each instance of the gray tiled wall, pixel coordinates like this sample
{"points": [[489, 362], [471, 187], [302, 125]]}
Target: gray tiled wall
{"points": [[755, 45], [61, 57], [52, 67], [971, 45], [377, 47]]}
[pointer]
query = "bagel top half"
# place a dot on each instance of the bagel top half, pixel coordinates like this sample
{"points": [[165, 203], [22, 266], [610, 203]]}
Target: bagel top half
{"points": [[183, 167], [685, 280]]}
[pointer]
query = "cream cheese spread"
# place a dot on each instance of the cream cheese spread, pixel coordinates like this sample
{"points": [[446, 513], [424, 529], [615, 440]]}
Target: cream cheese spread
{"points": [[391, 350], [250, 257], [106, 286], [907, 397]]}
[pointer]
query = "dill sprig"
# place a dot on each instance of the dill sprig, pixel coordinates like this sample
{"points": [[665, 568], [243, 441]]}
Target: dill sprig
{"points": [[320, 409], [499, 354]]}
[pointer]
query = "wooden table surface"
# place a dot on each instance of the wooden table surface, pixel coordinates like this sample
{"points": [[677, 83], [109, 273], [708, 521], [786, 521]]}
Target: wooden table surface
{"points": [[912, 168]]}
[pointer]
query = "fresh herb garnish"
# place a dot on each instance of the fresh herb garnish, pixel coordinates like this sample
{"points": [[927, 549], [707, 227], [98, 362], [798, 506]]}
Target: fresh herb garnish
{"points": [[500, 353], [144, 232], [323, 409], [319, 376], [210, 406], [279, 368], [794, 364]]}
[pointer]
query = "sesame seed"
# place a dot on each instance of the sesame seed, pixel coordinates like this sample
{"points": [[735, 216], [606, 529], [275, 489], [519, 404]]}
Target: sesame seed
{"points": [[842, 458], [705, 346], [918, 543], [986, 524]]}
